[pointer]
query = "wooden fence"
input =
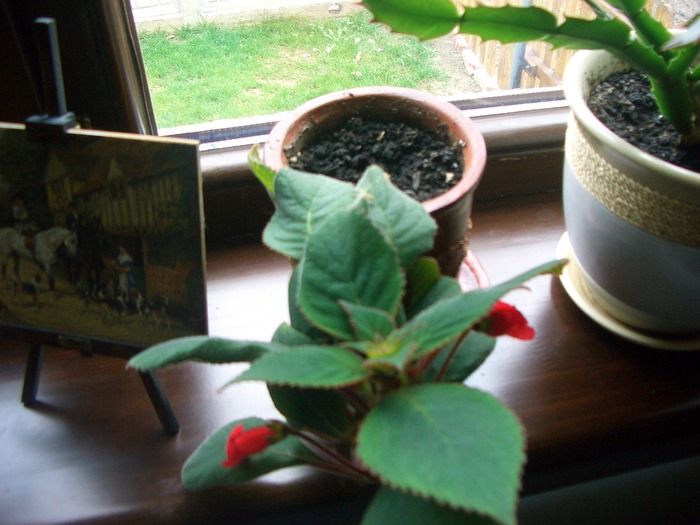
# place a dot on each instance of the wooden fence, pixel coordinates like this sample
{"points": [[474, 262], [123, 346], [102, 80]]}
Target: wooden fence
{"points": [[498, 66]]}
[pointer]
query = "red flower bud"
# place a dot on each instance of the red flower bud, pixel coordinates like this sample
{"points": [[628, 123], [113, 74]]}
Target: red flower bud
{"points": [[243, 443], [505, 319]]}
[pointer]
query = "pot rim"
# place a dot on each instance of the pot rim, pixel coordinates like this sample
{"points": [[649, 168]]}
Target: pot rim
{"points": [[474, 154], [574, 84]]}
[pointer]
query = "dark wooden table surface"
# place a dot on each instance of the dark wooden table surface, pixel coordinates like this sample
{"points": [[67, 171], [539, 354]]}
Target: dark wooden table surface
{"points": [[93, 451]]}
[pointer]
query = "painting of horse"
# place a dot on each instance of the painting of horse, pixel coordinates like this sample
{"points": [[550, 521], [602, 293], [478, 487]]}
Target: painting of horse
{"points": [[44, 249], [117, 252]]}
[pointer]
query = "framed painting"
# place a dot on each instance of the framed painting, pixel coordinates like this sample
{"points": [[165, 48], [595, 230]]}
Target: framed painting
{"points": [[101, 239]]}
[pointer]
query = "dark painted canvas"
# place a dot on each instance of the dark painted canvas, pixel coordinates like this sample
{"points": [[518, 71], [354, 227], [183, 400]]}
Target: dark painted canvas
{"points": [[101, 236]]}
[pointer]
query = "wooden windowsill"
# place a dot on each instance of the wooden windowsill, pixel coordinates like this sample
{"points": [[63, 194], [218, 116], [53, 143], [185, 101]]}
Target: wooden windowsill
{"points": [[592, 405]]}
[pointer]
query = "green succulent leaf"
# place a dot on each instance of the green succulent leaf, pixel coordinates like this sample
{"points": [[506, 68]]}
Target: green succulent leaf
{"points": [[577, 33], [470, 354], [347, 259], [369, 323], [264, 173], [307, 367], [628, 6], [203, 469], [201, 348], [424, 19], [403, 220], [323, 411], [508, 24], [449, 443], [303, 201], [391, 507]]}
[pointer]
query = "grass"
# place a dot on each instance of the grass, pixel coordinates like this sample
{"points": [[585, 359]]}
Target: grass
{"points": [[203, 73]]}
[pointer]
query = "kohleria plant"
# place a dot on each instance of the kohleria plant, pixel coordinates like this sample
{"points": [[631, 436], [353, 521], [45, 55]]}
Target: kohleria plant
{"points": [[625, 28], [369, 372]]}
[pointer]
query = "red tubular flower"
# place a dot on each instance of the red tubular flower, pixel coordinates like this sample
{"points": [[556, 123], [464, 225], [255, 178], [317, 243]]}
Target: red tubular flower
{"points": [[243, 443], [505, 319]]}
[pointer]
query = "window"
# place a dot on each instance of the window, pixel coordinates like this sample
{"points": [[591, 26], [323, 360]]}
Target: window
{"points": [[105, 85], [210, 61]]}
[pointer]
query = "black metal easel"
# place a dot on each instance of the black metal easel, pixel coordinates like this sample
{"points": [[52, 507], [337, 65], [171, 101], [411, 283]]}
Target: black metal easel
{"points": [[52, 126]]}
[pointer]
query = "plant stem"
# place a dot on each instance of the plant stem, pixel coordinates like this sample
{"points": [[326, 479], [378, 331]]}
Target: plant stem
{"points": [[339, 464], [448, 360]]}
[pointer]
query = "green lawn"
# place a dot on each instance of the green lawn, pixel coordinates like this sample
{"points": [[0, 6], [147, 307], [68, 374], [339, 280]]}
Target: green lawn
{"points": [[204, 72]]}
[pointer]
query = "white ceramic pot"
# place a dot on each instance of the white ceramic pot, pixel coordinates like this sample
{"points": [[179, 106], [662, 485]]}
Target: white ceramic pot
{"points": [[633, 220]]}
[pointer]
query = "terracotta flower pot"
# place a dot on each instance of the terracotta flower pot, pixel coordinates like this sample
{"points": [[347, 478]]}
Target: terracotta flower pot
{"points": [[633, 220], [451, 209]]}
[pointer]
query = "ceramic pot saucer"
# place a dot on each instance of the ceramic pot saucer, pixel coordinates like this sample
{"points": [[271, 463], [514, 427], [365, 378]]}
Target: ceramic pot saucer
{"points": [[580, 294]]}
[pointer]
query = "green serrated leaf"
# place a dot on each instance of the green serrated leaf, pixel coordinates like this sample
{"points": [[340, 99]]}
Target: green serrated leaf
{"points": [[323, 411], [347, 259], [450, 317], [203, 468], [369, 323], [416, 17], [288, 336], [201, 348], [472, 352], [444, 288], [421, 276], [264, 173], [296, 317], [303, 201], [449, 443], [391, 507], [401, 219], [307, 367]]}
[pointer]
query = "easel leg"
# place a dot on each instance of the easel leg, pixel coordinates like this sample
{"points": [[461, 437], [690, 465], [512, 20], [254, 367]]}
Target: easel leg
{"points": [[160, 402], [32, 373]]}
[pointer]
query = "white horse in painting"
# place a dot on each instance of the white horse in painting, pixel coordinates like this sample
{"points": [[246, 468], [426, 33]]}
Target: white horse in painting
{"points": [[12, 245], [46, 246]]}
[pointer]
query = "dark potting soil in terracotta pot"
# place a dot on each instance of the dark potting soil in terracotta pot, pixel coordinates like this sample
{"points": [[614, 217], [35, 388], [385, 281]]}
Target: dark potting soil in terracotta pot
{"points": [[624, 103], [421, 162]]}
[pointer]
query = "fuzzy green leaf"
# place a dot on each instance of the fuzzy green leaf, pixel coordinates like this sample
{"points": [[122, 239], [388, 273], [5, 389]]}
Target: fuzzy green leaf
{"points": [[296, 317], [289, 336], [448, 318], [403, 220], [369, 323], [449, 443], [442, 289], [473, 351], [203, 469], [391, 507], [201, 348], [263, 172], [416, 17], [303, 201], [421, 277], [347, 259], [323, 411], [307, 367]]}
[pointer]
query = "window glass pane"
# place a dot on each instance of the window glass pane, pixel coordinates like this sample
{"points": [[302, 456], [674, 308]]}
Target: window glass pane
{"points": [[211, 60]]}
